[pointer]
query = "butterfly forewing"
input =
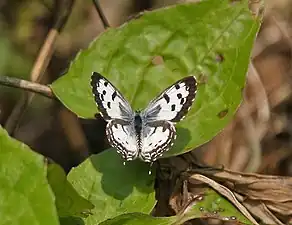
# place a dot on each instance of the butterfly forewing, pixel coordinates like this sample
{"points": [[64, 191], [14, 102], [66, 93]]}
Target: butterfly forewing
{"points": [[173, 103], [158, 137], [110, 102], [122, 136]]}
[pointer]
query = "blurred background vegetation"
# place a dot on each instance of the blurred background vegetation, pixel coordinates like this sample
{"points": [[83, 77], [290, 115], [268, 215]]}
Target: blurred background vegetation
{"points": [[258, 139]]}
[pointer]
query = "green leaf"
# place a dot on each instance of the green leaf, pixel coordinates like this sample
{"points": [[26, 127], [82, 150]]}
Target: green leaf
{"points": [[137, 219], [213, 205], [25, 195], [211, 39], [113, 188], [68, 201]]}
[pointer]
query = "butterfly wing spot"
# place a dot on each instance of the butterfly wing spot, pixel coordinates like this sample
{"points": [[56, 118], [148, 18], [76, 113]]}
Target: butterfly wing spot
{"points": [[173, 107], [173, 103], [166, 97], [114, 95]]}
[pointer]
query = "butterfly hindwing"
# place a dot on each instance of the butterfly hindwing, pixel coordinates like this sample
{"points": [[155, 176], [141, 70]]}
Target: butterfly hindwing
{"points": [[122, 136], [110, 102], [157, 138], [173, 103]]}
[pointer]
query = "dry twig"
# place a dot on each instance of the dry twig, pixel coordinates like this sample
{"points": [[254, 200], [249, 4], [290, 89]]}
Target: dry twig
{"points": [[27, 85], [101, 14], [63, 9]]}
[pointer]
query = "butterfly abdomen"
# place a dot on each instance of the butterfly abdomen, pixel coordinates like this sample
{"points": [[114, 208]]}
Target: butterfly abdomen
{"points": [[138, 129]]}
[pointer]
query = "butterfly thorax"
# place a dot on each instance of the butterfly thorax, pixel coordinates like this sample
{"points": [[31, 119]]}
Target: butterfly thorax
{"points": [[138, 129]]}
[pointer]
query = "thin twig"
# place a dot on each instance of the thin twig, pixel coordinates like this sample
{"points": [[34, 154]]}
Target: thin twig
{"points": [[101, 15], [63, 9], [27, 85]]}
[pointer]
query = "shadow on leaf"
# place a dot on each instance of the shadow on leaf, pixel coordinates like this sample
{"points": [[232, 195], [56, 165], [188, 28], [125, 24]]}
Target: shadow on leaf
{"points": [[183, 138], [71, 220], [119, 180]]}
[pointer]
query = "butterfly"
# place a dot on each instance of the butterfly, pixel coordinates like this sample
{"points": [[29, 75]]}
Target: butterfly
{"points": [[143, 134]]}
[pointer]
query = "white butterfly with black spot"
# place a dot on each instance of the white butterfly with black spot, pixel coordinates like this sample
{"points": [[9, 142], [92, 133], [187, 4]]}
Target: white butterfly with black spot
{"points": [[151, 132]]}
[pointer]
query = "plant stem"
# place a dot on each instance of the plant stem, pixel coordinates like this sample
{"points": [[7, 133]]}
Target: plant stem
{"points": [[27, 85], [101, 14]]}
